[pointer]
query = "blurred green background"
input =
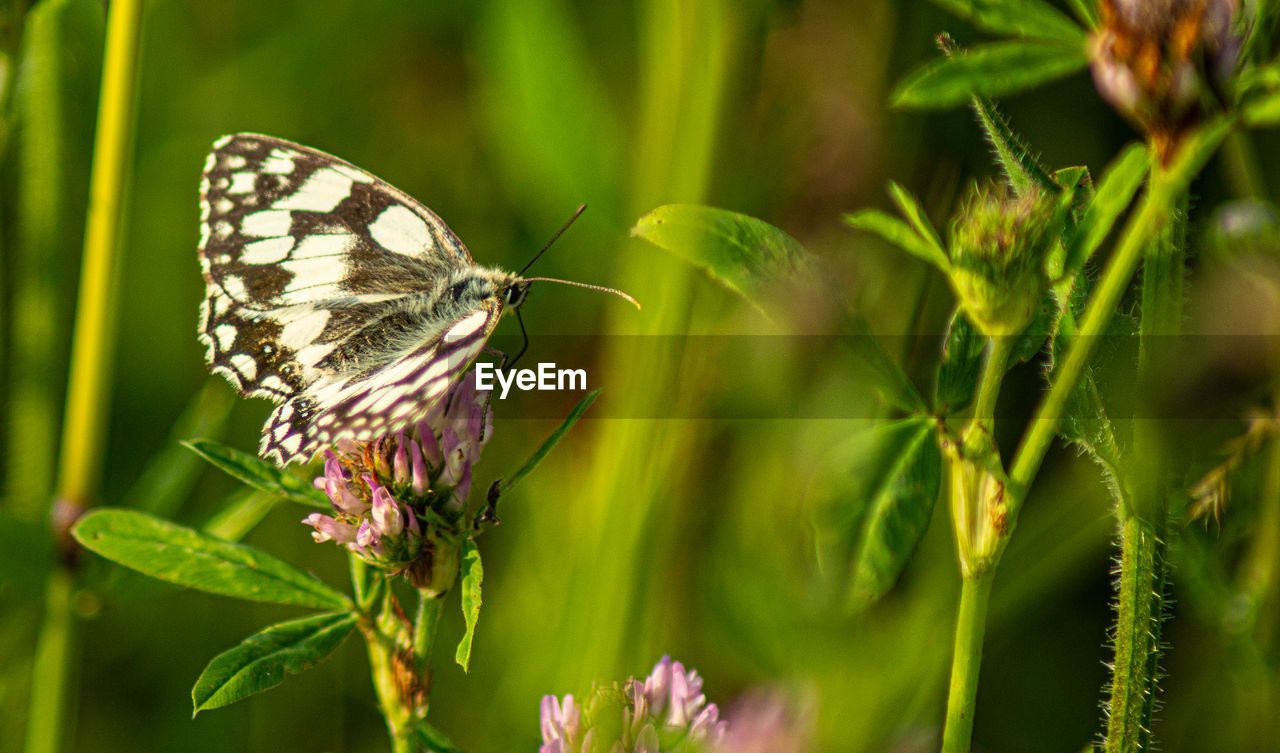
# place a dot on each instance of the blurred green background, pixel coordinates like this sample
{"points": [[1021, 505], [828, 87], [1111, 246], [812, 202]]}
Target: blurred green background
{"points": [[637, 537]]}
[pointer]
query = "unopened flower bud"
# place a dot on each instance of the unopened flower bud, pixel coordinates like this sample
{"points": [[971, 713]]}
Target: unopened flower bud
{"points": [[998, 246]]}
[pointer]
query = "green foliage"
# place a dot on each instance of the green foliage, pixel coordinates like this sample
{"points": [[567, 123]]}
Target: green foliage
{"points": [[263, 659], [1023, 18], [192, 559], [472, 578], [988, 70], [551, 441], [874, 501], [764, 265], [750, 257], [1116, 189], [258, 473]]}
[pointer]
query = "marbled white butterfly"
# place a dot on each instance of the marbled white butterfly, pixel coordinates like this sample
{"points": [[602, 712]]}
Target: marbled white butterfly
{"points": [[335, 294]]}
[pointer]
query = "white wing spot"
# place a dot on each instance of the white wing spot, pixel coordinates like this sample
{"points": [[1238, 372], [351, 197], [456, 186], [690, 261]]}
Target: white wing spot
{"points": [[323, 192], [245, 364], [279, 163], [468, 326], [291, 443], [234, 286], [302, 331], [226, 335], [230, 374], [222, 230], [267, 251], [242, 182], [225, 205], [267, 224], [273, 383], [324, 245], [398, 229], [235, 161]]}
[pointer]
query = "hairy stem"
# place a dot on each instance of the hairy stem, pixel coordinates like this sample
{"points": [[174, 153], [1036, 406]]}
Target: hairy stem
{"points": [[1143, 529]]}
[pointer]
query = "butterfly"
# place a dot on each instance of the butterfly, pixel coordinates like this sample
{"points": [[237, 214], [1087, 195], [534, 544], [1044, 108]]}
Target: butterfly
{"points": [[336, 295]]}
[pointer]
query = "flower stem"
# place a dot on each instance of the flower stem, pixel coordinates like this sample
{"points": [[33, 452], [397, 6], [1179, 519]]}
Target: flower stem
{"points": [[1143, 529], [993, 370], [966, 660]]}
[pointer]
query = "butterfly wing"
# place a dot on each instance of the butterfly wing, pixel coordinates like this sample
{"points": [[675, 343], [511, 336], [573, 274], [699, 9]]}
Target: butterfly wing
{"points": [[312, 266], [381, 399]]}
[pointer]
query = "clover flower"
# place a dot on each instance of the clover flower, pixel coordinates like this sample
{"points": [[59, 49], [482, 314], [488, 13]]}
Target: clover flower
{"points": [[397, 501], [667, 712], [1154, 59]]}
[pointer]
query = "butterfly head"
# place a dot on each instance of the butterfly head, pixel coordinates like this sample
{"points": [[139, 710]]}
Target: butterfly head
{"points": [[515, 293]]}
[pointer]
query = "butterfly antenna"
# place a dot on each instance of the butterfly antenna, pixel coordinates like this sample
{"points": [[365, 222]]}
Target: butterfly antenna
{"points": [[555, 237], [524, 347], [601, 288]]}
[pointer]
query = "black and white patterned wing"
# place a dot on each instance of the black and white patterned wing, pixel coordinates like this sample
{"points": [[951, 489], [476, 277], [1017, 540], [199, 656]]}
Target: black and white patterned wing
{"points": [[305, 259], [379, 400], [290, 235]]}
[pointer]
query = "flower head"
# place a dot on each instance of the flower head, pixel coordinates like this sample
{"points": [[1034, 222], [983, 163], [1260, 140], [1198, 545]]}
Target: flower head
{"points": [[398, 501], [667, 712], [1154, 59]]}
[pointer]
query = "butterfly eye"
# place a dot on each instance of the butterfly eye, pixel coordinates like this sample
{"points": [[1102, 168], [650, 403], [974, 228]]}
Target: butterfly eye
{"points": [[515, 295]]}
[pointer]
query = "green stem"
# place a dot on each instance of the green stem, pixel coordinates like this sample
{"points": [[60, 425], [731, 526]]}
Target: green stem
{"points": [[80, 460], [52, 661], [1097, 316], [966, 660], [993, 371], [424, 632], [382, 637], [1143, 531], [1137, 637]]}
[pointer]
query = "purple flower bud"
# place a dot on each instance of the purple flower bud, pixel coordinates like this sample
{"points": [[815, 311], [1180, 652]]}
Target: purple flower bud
{"points": [[421, 476], [400, 464], [386, 516], [430, 446], [329, 529]]}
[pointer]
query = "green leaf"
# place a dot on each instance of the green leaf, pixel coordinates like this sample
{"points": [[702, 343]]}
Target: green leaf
{"points": [[1020, 167], [915, 215], [472, 576], [547, 445], [961, 365], [899, 234], [259, 474], [1263, 111], [757, 260], [1022, 18], [1115, 192], [746, 255], [989, 70], [192, 559], [261, 661], [878, 500]]}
